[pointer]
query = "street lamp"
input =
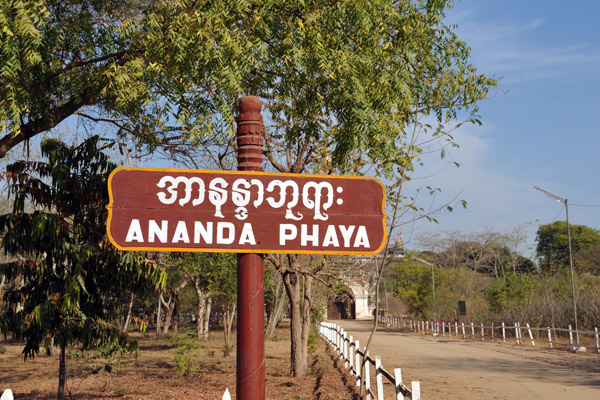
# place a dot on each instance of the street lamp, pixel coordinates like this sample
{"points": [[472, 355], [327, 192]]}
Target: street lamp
{"points": [[566, 203]]}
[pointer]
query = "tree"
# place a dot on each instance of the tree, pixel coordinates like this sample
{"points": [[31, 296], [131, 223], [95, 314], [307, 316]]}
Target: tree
{"points": [[413, 284], [346, 85], [488, 252], [72, 278], [167, 71], [552, 248], [213, 277]]}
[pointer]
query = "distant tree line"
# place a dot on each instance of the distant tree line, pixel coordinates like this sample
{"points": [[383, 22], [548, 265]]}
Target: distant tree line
{"points": [[498, 282]]}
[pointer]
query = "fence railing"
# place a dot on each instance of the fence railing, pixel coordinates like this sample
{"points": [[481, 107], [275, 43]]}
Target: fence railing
{"points": [[350, 352], [503, 332]]}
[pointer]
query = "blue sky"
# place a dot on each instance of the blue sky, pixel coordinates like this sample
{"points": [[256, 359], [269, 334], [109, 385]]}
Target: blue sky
{"points": [[540, 126]]}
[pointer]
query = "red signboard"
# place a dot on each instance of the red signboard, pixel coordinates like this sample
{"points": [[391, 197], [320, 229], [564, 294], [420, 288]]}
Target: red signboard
{"points": [[245, 212]]}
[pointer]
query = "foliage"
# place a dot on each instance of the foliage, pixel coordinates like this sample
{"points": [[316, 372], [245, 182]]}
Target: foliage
{"points": [[313, 340], [587, 260], [489, 252], [552, 248], [344, 83], [186, 355], [216, 272], [338, 79], [70, 279], [413, 285], [520, 295], [508, 295]]}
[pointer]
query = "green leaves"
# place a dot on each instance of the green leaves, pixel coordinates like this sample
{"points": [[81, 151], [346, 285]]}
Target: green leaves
{"points": [[552, 248], [340, 81], [71, 280]]}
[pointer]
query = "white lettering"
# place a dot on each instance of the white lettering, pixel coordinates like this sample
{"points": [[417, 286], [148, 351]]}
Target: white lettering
{"points": [[283, 191], [316, 204], [172, 188], [260, 192], [287, 232], [240, 196], [347, 234], [247, 235], [221, 228], [361, 237], [206, 233], [181, 233], [331, 237], [159, 232], [305, 237], [134, 232], [217, 195]]}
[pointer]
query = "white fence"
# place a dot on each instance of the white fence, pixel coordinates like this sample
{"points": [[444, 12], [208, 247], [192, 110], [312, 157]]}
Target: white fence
{"points": [[504, 332], [349, 351]]}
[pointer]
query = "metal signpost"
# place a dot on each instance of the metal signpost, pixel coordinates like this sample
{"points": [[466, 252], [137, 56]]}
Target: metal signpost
{"points": [[247, 212]]}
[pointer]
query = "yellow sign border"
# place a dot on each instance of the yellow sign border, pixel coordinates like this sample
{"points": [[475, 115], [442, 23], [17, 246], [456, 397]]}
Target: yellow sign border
{"points": [[241, 173]]}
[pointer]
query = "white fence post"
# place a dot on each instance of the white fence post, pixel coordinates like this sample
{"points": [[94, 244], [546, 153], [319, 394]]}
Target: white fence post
{"points": [[492, 331], [530, 334], [571, 335], [351, 355], [597, 340], [456, 328], [517, 333], [443, 328], [226, 395], [472, 331], [415, 388], [463, 329], [379, 378], [398, 383], [337, 338], [357, 363], [550, 337], [520, 333], [482, 333], [503, 332], [367, 373], [345, 351]]}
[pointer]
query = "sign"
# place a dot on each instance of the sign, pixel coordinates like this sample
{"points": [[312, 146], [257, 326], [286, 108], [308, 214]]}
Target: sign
{"points": [[462, 307], [247, 212]]}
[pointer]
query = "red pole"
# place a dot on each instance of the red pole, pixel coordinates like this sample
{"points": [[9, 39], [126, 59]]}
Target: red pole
{"points": [[250, 371]]}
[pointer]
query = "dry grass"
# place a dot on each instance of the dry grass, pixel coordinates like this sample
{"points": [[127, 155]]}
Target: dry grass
{"points": [[153, 374]]}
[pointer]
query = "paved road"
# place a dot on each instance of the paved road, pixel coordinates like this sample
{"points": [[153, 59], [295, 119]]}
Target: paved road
{"points": [[451, 368]]}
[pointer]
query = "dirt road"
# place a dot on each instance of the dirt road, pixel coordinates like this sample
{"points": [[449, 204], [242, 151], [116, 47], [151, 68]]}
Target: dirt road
{"points": [[451, 368]]}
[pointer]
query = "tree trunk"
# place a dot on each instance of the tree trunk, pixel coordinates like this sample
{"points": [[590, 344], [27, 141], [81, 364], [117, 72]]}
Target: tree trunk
{"points": [[201, 305], [275, 315], [306, 314], [128, 318], [51, 348], [160, 300], [62, 372], [227, 324], [169, 305], [206, 317], [2, 285], [292, 287]]}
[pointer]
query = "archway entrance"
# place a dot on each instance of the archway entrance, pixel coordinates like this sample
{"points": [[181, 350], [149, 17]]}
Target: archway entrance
{"points": [[342, 306]]}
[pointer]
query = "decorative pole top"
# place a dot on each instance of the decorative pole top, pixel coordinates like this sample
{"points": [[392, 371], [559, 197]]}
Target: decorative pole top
{"points": [[249, 134], [249, 109]]}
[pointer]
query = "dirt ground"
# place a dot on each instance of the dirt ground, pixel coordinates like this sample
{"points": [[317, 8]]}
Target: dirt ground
{"points": [[455, 368], [153, 375]]}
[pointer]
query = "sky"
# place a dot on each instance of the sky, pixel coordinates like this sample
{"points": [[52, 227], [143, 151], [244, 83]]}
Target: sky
{"points": [[541, 125]]}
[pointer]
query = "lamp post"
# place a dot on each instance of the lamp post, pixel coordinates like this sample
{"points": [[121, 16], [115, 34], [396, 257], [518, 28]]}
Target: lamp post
{"points": [[566, 203]]}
